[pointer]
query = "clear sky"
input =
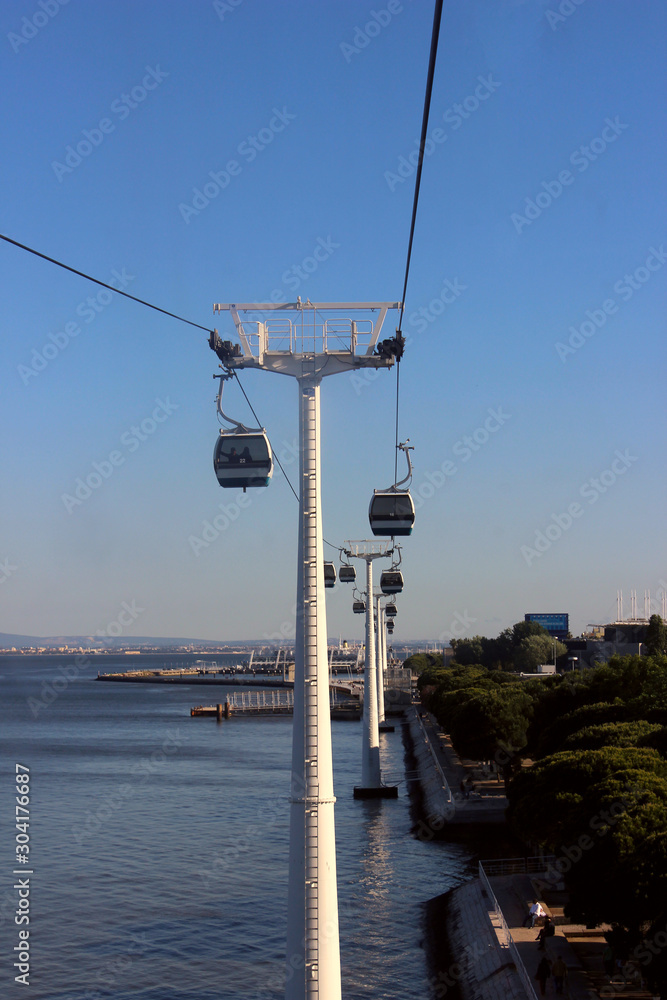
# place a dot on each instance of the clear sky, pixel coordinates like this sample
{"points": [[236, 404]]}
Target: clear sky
{"points": [[534, 314]]}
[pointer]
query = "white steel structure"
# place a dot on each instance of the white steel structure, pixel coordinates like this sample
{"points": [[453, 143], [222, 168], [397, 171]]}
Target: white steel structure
{"points": [[381, 656], [371, 778], [299, 340]]}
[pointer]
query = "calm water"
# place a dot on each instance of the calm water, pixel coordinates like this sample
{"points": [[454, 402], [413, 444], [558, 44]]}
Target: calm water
{"points": [[159, 846]]}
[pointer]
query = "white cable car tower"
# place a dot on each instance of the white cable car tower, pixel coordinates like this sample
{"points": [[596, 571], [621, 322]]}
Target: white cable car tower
{"points": [[371, 786], [296, 339]]}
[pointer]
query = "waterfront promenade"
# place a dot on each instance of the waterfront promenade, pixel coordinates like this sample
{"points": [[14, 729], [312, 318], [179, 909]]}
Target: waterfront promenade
{"points": [[495, 956], [442, 773]]}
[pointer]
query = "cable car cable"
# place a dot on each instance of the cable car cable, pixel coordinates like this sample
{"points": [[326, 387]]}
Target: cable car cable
{"points": [[142, 302], [437, 15], [259, 424], [97, 281], [427, 106]]}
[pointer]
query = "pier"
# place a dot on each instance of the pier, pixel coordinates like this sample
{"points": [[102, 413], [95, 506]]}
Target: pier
{"points": [[255, 703]]}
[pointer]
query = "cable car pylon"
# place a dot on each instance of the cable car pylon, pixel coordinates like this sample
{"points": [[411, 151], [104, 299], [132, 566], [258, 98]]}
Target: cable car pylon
{"points": [[308, 341], [372, 786]]}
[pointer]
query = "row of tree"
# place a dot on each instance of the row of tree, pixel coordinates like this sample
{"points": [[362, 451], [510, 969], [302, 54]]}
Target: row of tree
{"points": [[585, 759]]}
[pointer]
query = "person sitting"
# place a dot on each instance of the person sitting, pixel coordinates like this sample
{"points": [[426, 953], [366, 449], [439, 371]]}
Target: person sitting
{"points": [[547, 931], [536, 911]]}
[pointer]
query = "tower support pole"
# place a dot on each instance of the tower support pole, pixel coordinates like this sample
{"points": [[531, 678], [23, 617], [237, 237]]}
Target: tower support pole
{"points": [[380, 659], [370, 753], [313, 953]]}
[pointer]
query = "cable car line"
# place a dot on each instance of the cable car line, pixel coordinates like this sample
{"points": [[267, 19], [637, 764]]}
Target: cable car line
{"points": [[437, 16], [97, 281], [427, 107]]}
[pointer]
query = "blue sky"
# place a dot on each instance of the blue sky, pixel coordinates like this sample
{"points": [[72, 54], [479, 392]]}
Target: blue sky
{"points": [[534, 314]]}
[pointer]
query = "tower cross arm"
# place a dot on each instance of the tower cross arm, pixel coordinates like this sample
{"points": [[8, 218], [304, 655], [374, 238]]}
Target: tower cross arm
{"points": [[269, 306]]}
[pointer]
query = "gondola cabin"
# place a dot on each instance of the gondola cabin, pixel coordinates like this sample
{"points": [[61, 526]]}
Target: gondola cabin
{"points": [[329, 575], [347, 574], [359, 607], [391, 581], [390, 611], [391, 512], [242, 460], [390, 628]]}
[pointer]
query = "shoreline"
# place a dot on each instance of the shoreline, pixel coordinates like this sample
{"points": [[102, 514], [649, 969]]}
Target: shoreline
{"points": [[464, 960]]}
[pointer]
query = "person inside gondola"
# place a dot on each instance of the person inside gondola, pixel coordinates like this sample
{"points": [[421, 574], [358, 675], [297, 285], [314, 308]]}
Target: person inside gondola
{"points": [[245, 455]]}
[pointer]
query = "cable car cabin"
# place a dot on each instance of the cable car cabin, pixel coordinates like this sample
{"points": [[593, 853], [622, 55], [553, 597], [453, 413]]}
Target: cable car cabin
{"points": [[391, 512], [347, 574], [391, 581], [329, 575], [242, 460], [390, 628], [390, 611], [359, 607]]}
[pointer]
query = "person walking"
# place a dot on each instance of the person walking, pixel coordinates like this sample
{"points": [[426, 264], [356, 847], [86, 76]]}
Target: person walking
{"points": [[608, 961], [543, 973], [559, 972]]}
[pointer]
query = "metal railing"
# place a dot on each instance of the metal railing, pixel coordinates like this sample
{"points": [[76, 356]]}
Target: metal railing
{"points": [[518, 866], [507, 935], [261, 700], [301, 336], [449, 798]]}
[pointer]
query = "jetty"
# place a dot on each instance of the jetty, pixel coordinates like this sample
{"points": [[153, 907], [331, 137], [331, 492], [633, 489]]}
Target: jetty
{"points": [[255, 703]]}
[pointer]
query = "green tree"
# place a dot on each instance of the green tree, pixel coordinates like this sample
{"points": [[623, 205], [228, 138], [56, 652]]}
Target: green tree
{"points": [[419, 662], [614, 734], [656, 636], [483, 721], [468, 651], [553, 802], [534, 650]]}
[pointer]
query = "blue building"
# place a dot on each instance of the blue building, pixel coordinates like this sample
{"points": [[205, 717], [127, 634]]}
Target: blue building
{"points": [[556, 624]]}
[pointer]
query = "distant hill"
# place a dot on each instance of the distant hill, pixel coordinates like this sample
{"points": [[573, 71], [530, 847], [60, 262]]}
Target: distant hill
{"points": [[9, 639]]}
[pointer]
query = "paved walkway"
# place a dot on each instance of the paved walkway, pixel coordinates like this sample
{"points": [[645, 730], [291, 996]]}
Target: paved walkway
{"points": [[484, 969], [487, 803], [580, 948]]}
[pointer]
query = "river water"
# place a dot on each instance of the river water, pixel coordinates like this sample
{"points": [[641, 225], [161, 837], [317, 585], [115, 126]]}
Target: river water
{"points": [[159, 847]]}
